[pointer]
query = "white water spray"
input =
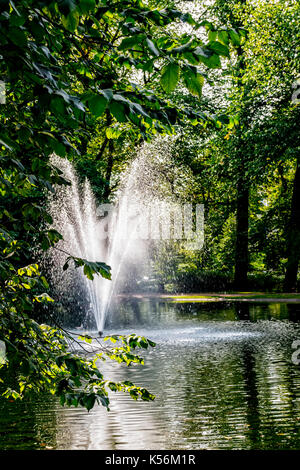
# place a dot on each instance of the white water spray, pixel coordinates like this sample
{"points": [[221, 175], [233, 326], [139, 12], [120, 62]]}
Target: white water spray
{"points": [[76, 216], [88, 234]]}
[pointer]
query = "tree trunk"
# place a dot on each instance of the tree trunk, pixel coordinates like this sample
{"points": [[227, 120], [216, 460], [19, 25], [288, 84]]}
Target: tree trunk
{"points": [[241, 247], [242, 210], [293, 237], [110, 162]]}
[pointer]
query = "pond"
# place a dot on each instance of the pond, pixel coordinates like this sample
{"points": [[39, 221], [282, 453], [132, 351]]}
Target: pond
{"points": [[222, 374]]}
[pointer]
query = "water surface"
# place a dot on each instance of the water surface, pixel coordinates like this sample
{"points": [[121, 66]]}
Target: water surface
{"points": [[222, 375]]}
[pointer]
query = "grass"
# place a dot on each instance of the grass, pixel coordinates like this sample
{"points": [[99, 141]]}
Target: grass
{"points": [[264, 295], [211, 297], [194, 298]]}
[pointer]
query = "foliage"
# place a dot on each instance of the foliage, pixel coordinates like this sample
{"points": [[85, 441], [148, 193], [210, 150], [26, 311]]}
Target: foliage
{"points": [[89, 81], [38, 357], [75, 71], [257, 150]]}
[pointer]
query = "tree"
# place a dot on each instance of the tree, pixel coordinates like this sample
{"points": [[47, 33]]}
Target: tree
{"points": [[246, 173], [260, 98], [68, 70], [272, 70]]}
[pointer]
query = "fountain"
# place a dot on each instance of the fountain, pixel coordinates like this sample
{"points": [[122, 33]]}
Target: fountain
{"points": [[73, 211], [95, 234], [122, 235]]}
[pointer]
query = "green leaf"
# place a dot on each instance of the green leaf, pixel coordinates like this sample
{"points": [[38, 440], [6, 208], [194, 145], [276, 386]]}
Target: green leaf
{"points": [[212, 35], [65, 266], [170, 77], [89, 401], [187, 18], [66, 6], [223, 37], [97, 105], [59, 148], [180, 49], [17, 20], [118, 111], [91, 267], [108, 93], [8, 143], [104, 401], [202, 52], [85, 6], [58, 106], [219, 48], [54, 236], [88, 272], [112, 386], [152, 47], [86, 338], [235, 37], [71, 21], [193, 80], [43, 298], [143, 343], [191, 58], [44, 281], [113, 133], [209, 26], [18, 37], [24, 133], [130, 42], [146, 396], [104, 270], [208, 58]]}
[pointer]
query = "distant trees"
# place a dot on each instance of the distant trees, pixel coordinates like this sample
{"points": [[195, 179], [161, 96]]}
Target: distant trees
{"points": [[246, 173], [267, 65]]}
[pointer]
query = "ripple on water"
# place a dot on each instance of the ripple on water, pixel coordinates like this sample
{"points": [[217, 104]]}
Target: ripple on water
{"points": [[218, 385]]}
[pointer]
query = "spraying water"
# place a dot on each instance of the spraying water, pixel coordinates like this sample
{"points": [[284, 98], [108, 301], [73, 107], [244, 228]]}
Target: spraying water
{"points": [[95, 233], [122, 235], [73, 210]]}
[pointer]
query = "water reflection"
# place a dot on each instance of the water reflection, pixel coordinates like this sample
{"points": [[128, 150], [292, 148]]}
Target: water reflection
{"points": [[222, 375]]}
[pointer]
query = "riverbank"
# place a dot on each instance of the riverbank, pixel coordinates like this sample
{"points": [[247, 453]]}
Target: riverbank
{"points": [[221, 297]]}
